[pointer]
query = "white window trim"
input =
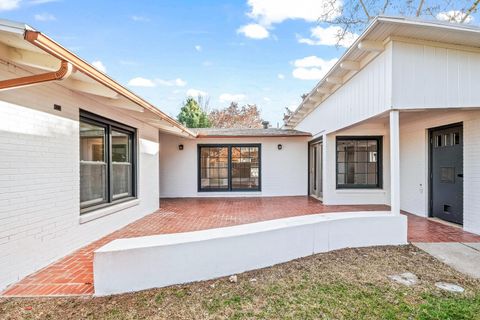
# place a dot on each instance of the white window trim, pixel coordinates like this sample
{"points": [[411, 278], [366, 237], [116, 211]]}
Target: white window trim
{"points": [[96, 214]]}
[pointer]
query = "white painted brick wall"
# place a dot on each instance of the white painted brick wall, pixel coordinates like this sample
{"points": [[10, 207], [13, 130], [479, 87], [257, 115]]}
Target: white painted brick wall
{"points": [[414, 161], [471, 173], [284, 172], [39, 177]]}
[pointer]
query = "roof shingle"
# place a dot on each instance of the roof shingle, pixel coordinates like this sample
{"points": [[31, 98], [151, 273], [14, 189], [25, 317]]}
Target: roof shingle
{"points": [[234, 132]]}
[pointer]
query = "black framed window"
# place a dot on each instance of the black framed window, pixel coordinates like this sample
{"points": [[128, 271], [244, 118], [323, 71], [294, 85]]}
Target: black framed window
{"points": [[359, 162], [107, 162], [229, 167]]}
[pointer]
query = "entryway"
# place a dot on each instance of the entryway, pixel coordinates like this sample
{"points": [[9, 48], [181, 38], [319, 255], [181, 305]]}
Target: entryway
{"points": [[446, 173], [315, 169]]}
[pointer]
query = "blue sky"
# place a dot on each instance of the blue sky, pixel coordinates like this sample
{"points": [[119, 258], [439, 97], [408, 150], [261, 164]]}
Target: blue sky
{"points": [[265, 52]]}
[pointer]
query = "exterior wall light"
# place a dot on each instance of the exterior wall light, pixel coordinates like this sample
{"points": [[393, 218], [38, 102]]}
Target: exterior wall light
{"points": [[180, 147], [279, 146]]}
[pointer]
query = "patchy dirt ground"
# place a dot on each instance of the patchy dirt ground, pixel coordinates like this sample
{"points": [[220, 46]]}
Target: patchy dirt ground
{"points": [[345, 284]]}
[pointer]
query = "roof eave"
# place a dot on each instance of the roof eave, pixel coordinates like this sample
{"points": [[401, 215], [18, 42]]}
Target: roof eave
{"points": [[50, 46], [379, 19]]}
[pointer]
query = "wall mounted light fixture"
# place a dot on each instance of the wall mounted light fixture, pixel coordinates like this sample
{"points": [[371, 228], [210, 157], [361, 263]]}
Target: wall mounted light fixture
{"points": [[180, 147], [280, 147]]}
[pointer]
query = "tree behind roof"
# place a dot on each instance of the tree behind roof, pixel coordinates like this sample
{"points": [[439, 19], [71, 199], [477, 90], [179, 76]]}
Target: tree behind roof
{"points": [[352, 16], [233, 116], [192, 115]]}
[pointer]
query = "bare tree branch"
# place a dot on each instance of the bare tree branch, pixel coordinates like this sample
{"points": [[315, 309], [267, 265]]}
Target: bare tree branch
{"points": [[470, 10], [354, 15], [365, 10], [419, 10], [385, 6]]}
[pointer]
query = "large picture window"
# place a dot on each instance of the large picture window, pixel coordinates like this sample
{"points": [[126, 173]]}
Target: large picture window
{"points": [[107, 166], [229, 167], [359, 162]]}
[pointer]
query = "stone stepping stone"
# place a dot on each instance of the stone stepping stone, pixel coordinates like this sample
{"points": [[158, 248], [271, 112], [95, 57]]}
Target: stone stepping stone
{"points": [[449, 287], [407, 278]]}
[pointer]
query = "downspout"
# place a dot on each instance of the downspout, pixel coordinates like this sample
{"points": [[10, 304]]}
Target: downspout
{"points": [[63, 72]]}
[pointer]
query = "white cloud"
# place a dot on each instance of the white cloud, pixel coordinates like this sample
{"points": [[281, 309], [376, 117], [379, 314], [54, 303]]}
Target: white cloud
{"points": [[254, 31], [453, 16], [312, 67], [281, 76], [141, 82], [230, 97], [6, 5], [194, 93], [180, 83], [198, 47], [145, 82], [44, 17], [99, 66], [207, 63], [140, 18], [170, 83], [267, 99], [308, 73], [268, 12], [329, 37]]}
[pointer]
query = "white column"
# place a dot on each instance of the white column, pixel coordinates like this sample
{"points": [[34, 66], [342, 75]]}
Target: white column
{"points": [[395, 161]]}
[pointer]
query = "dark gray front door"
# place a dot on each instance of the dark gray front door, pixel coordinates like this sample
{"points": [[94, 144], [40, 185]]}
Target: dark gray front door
{"points": [[447, 173]]}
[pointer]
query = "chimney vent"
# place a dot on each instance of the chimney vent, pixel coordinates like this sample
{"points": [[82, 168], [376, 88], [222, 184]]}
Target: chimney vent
{"points": [[265, 124]]}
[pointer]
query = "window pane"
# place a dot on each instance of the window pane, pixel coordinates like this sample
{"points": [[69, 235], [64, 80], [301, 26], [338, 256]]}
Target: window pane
{"points": [[214, 168], [456, 138], [121, 164], [245, 168], [357, 162], [93, 167]]}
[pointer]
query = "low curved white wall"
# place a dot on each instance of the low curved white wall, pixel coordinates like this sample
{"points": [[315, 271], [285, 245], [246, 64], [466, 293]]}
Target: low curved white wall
{"points": [[134, 264]]}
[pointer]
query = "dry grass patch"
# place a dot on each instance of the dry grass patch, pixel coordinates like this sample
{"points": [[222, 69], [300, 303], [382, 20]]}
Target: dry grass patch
{"points": [[345, 284]]}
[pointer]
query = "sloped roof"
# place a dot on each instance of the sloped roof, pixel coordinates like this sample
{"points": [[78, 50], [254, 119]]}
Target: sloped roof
{"points": [[22, 44], [380, 30], [233, 132]]}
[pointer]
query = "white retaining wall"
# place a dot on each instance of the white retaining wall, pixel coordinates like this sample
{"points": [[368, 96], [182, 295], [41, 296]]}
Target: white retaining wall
{"points": [[133, 264]]}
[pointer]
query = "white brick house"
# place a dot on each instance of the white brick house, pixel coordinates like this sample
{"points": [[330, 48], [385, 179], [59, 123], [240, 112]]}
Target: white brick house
{"points": [[82, 156]]}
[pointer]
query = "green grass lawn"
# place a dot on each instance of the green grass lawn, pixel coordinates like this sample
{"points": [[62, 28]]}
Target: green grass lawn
{"points": [[345, 284]]}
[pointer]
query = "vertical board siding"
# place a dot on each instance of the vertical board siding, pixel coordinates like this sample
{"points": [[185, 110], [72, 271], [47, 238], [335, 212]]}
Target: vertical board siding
{"points": [[365, 95], [434, 77]]}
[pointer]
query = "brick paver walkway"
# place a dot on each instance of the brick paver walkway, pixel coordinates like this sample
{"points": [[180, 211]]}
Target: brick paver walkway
{"points": [[73, 274]]}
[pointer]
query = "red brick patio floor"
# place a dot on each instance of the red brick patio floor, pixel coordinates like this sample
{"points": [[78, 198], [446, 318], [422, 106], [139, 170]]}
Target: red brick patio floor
{"points": [[73, 274]]}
